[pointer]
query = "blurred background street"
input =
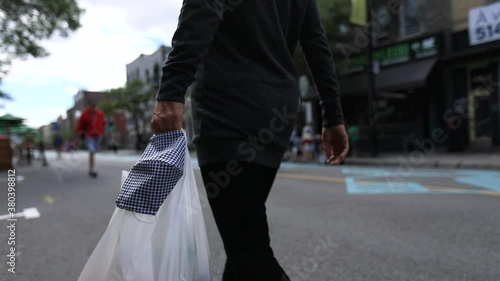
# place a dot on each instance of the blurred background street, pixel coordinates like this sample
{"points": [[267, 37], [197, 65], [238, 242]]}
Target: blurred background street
{"points": [[417, 198], [327, 223]]}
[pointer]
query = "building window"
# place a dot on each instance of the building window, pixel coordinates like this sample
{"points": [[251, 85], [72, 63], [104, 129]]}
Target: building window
{"points": [[157, 72], [156, 75], [409, 18]]}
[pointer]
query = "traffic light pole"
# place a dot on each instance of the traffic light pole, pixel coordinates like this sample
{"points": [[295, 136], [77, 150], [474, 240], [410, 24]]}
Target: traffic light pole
{"points": [[372, 99]]}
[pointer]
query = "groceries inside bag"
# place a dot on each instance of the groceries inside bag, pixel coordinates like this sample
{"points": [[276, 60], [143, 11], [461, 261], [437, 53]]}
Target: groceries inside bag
{"points": [[171, 245]]}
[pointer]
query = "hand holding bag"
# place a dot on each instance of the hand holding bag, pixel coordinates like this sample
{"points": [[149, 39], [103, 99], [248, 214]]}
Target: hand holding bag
{"points": [[170, 245]]}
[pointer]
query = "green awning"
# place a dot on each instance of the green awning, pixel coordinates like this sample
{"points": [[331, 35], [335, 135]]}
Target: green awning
{"points": [[10, 121], [18, 130]]}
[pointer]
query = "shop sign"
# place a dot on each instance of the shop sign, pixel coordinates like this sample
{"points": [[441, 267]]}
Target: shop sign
{"points": [[399, 53], [484, 24]]}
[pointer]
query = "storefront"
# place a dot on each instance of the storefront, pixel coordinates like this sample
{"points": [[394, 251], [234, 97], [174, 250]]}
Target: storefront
{"points": [[408, 92], [473, 82]]}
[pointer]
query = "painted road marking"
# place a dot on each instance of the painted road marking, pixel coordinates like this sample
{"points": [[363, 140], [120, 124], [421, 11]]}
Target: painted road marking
{"points": [[362, 175], [311, 177], [487, 182], [484, 179], [379, 172], [490, 193], [29, 213], [374, 187], [354, 186], [48, 199], [442, 188]]}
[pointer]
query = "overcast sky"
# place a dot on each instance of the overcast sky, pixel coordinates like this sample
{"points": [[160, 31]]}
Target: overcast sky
{"points": [[113, 33]]}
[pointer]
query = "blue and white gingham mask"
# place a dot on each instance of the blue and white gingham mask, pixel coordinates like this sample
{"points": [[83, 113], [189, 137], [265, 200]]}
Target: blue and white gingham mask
{"points": [[155, 174]]}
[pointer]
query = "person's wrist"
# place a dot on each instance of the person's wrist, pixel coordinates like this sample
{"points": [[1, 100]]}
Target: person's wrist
{"points": [[332, 122], [338, 125]]}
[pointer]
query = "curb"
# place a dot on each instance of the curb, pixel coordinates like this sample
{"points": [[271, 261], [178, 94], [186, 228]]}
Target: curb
{"points": [[427, 164], [380, 162]]}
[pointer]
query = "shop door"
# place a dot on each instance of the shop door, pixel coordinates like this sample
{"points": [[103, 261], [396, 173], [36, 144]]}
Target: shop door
{"points": [[478, 108]]}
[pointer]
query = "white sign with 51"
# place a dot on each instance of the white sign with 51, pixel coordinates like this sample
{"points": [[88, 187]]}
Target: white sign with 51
{"points": [[484, 24]]}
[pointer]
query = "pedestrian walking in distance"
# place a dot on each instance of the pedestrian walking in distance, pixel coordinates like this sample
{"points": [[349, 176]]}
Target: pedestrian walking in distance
{"points": [[58, 145], [91, 128], [245, 103]]}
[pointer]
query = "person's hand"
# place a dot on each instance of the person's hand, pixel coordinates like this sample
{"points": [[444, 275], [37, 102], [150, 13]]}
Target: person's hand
{"points": [[167, 116], [335, 143]]}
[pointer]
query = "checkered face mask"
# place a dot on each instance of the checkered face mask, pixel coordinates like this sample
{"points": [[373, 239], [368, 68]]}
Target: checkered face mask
{"points": [[156, 173]]}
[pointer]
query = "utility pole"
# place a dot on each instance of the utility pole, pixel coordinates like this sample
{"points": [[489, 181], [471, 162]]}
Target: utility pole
{"points": [[372, 99]]}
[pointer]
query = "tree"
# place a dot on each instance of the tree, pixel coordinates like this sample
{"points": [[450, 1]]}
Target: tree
{"points": [[24, 23], [68, 134], [5, 96], [335, 19], [108, 106], [136, 97]]}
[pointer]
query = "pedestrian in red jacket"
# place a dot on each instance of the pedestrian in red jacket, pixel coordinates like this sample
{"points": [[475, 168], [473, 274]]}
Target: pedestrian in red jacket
{"points": [[91, 128]]}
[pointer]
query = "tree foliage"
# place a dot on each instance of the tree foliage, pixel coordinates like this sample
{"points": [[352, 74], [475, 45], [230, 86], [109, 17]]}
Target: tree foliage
{"points": [[135, 97], [335, 20], [5, 96], [25, 23], [68, 134], [108, 106]]}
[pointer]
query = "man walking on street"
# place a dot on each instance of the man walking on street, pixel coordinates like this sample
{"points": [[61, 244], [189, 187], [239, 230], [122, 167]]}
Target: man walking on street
{"points": [[58, 144], [41, 149], [245, 104], [91, 128]]}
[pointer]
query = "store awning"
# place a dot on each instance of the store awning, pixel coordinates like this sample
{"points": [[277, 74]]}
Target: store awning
{"points": [[404, 76], [413, 75], [10, 120], [356, 84]]}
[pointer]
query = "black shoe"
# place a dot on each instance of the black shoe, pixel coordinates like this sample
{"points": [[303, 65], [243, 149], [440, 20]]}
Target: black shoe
{"points": [[93, 174]]}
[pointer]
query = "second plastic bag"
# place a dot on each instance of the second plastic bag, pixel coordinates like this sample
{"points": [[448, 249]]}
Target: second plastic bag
{"points": [[170, 246]]}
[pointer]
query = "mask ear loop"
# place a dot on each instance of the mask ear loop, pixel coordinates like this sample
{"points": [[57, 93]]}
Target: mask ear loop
{"points": [[148, 222]]}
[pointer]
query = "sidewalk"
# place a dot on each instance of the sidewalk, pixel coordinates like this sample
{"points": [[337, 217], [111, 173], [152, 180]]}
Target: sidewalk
{"points": [[120, 152], [130, 152], [462, 160], [442, 159]]}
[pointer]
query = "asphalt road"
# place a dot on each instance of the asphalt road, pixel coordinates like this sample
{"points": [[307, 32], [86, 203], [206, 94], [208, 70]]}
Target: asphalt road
{"points": [[327, 223]]}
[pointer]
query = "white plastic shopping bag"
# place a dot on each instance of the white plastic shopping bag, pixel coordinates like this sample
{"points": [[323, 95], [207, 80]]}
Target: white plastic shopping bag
{"points": [[169, 246]]}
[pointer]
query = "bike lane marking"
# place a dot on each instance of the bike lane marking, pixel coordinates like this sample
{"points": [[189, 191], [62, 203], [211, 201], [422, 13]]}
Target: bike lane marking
{"points": [[364, 186]]}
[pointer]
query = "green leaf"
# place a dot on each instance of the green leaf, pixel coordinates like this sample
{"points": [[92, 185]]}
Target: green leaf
{"points": [[25, 23]]}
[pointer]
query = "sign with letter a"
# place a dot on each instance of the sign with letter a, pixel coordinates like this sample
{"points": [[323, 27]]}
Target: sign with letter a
{"points": [[484, 24]]}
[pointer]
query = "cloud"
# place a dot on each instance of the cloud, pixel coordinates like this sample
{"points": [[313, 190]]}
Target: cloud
{"points": [[37, 116], [113, 33], [96, 54], [144, 14]]}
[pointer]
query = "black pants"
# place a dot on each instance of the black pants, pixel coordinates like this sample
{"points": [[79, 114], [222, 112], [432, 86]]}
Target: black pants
{"points": [[237, 193]]}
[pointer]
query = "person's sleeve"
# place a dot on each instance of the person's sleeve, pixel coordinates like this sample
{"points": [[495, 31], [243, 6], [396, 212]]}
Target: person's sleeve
{"points": [[80, 123], [320, 62], [198, 22], [103, 123]]}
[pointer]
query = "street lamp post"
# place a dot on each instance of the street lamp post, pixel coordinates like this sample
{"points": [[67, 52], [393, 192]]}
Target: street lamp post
{"points": [[372, 99]]}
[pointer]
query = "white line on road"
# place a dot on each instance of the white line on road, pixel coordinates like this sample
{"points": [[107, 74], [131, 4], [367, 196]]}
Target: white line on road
{"points": [[18, 179], [29, 213]]}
